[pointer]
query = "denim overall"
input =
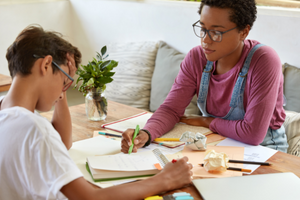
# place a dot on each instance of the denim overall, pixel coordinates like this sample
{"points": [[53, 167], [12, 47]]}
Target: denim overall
{"points": [[275, 139]]}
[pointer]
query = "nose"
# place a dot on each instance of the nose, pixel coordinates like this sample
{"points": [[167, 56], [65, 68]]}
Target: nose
{"points": [[206, 38]]}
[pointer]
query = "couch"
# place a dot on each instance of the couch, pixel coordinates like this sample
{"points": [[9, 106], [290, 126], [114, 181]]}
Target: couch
{"points": [[147, 70]]}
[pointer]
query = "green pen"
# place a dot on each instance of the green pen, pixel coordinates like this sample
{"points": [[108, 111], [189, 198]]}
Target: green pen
{"points": [[137, 129]]}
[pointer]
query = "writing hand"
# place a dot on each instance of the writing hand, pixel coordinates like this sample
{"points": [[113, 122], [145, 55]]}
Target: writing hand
{"points": [[177, 174], [139, 141]]}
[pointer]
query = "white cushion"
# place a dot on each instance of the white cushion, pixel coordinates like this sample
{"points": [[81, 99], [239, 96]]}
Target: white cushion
{"points": [[132, 80], [292, 130]]}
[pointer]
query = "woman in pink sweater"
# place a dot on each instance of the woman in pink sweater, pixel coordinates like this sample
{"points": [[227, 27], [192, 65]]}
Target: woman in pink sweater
{"points": [[239, 82]]}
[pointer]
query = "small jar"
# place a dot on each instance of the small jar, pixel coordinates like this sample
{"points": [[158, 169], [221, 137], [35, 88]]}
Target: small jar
{"points": [[96, 105]]}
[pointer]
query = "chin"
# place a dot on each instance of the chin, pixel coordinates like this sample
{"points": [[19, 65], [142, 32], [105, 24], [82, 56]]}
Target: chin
{"points": [[211, 58]]}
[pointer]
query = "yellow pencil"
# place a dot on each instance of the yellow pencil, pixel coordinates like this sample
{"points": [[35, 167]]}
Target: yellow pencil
{"points": [[167, 139]]}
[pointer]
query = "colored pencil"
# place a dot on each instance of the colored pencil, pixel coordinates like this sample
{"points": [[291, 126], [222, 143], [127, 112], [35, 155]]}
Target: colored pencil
{"points": [[249, 162], [166, 139], [109, 134]]}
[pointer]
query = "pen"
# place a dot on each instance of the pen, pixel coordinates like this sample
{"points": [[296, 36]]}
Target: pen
{"points": [[136, 131], [109, 134], [249, 162], [235, 169], [167, 139]]}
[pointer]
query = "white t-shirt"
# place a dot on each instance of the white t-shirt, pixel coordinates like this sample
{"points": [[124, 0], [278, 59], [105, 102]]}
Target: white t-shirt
{"points": [[34, 162]]}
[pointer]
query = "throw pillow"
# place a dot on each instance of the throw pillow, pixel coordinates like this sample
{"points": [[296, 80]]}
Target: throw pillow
{"points": [[167, 66], [291, 87], [292, 130], [132, 80]]}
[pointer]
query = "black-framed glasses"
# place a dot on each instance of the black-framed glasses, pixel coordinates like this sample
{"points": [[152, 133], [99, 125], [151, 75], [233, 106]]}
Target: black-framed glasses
{"points": [[66, 86], [214, 35]]}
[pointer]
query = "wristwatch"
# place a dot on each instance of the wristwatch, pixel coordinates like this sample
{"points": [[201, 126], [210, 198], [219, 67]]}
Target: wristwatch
{"points": [[149, 138]]}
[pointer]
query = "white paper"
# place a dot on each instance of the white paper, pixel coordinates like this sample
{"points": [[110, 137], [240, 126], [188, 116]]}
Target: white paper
{"points": [[163, 149], [140, 161], [251, 153]]}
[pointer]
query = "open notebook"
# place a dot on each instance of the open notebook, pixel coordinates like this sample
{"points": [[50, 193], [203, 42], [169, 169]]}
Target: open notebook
{"points": [[124, 166]]}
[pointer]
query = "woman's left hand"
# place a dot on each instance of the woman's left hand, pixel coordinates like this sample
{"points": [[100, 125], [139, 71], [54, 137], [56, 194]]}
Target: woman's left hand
{"points": [[197, 121]]}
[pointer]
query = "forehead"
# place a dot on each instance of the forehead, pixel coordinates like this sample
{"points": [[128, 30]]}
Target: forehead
{"points": [[215, 16]]}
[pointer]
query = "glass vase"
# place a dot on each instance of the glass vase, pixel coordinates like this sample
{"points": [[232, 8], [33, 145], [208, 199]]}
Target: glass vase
{"points": [[96, 105]]}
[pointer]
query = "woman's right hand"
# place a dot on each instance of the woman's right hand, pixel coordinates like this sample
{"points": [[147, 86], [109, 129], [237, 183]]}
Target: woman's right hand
{"points": [[139, 141]]}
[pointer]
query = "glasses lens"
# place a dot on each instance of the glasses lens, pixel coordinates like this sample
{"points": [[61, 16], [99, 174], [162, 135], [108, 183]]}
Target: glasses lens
{"points": [[196, 31], [202, 32], [215, 35], [67, 86]]}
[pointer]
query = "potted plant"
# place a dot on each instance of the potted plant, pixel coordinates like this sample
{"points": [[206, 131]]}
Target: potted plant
{"points": [[94, 76]]}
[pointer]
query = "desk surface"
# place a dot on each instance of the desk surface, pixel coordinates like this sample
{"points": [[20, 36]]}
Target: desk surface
{"points": [[5, 82], [84, 128]]}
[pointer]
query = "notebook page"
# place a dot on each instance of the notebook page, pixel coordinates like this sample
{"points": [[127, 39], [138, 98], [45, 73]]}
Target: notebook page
{"points": [[124, 162]]}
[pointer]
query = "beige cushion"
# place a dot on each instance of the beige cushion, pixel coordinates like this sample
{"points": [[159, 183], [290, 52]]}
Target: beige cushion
{"points": [[292, 87], [132, 80], [292, 130], [167, 66]]}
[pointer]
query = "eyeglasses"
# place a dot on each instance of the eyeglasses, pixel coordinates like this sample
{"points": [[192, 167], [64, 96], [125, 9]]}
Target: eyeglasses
{"points": [[215, 36], [66, 86]]}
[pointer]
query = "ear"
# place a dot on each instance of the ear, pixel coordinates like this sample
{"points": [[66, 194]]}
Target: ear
{"points": [[244, 33], [45, 66]]}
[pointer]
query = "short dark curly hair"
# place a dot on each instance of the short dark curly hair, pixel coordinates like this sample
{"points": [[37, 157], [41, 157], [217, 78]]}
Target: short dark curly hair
{"points": [[243, 11], [35, 40]]}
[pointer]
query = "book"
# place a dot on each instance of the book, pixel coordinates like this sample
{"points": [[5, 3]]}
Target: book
{"points": [[125, 166], [142, 118], [129, 122]]}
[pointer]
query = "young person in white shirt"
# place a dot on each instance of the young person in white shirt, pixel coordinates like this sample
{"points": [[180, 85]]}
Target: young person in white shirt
{"points": [[34, 159]]}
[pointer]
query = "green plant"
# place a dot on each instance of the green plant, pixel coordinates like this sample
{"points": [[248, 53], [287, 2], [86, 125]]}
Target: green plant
{"points": [[96, 74]]}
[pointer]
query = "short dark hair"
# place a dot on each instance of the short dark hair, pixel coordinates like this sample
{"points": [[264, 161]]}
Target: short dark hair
{"points": [[35, 40], [243, 11]]}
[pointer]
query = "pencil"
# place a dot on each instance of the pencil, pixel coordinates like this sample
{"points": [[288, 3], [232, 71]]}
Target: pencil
{"points": [[109, 134], [167, 139], [249, 162], [235, 169]]}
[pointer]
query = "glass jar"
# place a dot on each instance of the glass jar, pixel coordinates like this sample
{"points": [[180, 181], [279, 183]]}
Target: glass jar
{"points": [[96, 105]]}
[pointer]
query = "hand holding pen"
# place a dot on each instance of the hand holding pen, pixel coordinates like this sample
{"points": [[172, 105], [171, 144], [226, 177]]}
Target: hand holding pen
{"points": [[139, 141]]}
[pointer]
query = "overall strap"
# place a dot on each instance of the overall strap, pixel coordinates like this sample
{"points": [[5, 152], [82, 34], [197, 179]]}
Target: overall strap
{"points": [[205, 79], [239, 86]]}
